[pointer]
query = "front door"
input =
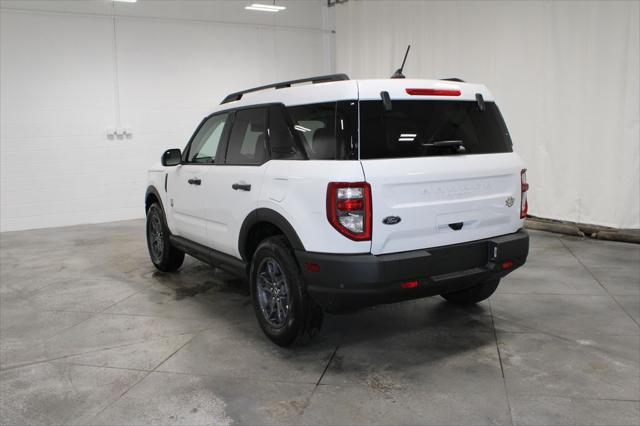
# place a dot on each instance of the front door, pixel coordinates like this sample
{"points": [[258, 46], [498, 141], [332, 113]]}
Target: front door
{"points": [[189, 183]]}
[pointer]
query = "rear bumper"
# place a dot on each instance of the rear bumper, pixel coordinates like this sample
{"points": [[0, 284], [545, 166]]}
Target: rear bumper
{"points": [[343, 281]]}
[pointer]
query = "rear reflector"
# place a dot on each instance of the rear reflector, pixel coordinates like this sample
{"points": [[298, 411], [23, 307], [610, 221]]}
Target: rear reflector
{"points": [[507, 265], [433, 92], [312, 267], [409, 284]]}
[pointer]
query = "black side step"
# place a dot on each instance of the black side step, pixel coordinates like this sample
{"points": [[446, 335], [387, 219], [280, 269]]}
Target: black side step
{"points": [[212, 257]]}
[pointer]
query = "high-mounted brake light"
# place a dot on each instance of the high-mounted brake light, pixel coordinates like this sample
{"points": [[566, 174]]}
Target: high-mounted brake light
{"points": [[433, 92], [524, 187], [349, 209]]}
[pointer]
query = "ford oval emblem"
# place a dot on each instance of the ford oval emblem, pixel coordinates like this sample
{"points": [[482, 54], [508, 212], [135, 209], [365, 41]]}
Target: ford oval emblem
{"points": [[391, 220]]}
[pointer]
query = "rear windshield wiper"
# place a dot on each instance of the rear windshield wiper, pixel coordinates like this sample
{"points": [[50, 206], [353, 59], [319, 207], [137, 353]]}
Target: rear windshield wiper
{"points": [[458, 144]]}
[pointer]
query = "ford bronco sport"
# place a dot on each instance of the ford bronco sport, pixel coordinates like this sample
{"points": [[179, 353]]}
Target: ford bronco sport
{"points": [[339, 194]]}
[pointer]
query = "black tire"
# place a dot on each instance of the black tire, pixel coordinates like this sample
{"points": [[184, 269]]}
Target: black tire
{"points": [[473, 295], [164, 256], [282, 328]]}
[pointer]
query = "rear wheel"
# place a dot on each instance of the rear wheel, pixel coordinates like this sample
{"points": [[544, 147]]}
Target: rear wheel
{"points": [[277, 290], [164, 256], [472, 295]]}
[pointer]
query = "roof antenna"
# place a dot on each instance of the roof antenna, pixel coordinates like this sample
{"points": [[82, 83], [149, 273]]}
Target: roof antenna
{"points": [[398, 73]]}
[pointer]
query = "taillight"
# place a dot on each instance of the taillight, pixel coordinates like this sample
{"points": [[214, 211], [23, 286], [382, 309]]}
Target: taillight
{"points": [[433, 92], [349, 209], [524, 187]]}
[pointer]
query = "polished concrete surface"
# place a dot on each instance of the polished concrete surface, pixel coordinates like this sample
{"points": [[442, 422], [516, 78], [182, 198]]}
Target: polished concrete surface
{"points": [[90, 333]]}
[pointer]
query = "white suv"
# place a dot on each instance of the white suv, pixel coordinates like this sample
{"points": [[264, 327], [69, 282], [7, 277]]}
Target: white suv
{"points": [[338, 194]]}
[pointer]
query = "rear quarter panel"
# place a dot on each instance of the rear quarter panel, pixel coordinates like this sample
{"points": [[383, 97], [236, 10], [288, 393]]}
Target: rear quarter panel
{"points": [[298, 190]]}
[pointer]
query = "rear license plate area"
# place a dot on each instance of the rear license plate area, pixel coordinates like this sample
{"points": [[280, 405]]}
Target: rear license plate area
{"points": [[458, 258]]}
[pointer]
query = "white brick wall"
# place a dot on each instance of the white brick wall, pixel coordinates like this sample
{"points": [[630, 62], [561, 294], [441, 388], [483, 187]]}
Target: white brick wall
{"points": [[58, 97]]}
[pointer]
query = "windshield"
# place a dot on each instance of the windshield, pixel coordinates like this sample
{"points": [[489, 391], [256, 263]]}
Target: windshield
{"points": [[429, 128]]}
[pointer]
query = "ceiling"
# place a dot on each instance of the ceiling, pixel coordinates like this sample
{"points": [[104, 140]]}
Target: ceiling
{"points": [[303, 14]]}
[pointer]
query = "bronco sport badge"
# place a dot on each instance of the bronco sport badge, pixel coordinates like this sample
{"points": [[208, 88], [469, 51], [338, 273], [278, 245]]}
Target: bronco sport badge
{"points": [[509, 201]]}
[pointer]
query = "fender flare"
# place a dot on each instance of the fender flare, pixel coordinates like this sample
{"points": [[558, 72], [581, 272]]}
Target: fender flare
{"points": [[275, 219], [152, 190]]}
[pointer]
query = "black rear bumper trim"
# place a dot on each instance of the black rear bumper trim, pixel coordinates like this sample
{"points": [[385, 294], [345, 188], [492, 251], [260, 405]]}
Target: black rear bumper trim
{"points": [[346, 281]]}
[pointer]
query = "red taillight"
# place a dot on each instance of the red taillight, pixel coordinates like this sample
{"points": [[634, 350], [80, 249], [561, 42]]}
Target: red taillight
{"points": [[524, 187], [349, 209], [350, 205], [433, 92]]}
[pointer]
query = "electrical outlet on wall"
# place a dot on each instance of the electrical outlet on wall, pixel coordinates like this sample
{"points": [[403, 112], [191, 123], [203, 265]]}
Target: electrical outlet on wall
{"points": [[119, 133]]}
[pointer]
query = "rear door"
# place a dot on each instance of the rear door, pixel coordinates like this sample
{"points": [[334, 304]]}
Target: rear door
{"points": [[441, 171], [236, 185]]}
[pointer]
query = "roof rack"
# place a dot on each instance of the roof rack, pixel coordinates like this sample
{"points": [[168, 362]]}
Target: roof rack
{"points": [[320, 79], [459, 80]]}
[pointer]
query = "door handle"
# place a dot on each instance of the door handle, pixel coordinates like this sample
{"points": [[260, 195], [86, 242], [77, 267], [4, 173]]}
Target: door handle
{"points": [[195, 181], [241, 186]]}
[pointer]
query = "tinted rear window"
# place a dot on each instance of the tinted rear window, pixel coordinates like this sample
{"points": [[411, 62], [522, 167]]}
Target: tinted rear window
{"points": [[411, 128]]}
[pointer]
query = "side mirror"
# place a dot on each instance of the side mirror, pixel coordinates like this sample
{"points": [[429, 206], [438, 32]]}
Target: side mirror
{"points": [[171, 157]]}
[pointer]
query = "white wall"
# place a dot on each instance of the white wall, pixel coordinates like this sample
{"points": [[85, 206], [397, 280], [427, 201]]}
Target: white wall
{"points": [[565, 75], [65, 79]]}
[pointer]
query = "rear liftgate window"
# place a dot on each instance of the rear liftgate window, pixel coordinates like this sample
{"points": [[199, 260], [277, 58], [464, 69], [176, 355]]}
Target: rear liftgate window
{"points": [[430, 128]]}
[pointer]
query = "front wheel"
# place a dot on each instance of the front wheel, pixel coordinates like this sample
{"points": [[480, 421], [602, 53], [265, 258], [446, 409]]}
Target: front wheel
{"points": [[472, 295], [277, 290], [164, 256]]}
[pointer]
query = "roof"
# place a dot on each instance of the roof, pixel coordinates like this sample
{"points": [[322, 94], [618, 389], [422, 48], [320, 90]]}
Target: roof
{"points": [[331, 91]]}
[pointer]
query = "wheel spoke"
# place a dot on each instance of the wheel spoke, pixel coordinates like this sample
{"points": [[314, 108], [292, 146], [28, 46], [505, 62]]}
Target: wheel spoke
{"points": [[264, 278], [279, 310], [273, 292]]}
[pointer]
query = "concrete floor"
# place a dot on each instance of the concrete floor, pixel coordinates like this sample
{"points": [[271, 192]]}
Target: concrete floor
{"points": [[90, 333]]}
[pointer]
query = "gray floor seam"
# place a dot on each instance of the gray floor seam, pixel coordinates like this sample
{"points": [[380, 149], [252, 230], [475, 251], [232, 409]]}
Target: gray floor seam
{"points": [[600, 283], [504, 381], [240, 378], [327, 366], [108, 348], [141, 379]]}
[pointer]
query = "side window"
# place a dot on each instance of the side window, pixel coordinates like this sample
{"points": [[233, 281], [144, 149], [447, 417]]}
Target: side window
{"points": [[281, 141], [347, 130], [247, 140], [315, 125], [205, 144]]}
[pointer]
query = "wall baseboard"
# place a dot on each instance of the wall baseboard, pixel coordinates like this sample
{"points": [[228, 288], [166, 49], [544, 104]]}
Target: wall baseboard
{"points": [[583, 230]]}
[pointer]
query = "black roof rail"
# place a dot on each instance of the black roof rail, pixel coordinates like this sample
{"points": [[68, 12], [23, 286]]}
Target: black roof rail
{"points": [[320, 79], [459, 80]]}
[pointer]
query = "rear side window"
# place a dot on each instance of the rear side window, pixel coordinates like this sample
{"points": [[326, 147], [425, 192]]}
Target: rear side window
{"points": [[247, 139], [412, 128], [281, 139], [327, 131]]}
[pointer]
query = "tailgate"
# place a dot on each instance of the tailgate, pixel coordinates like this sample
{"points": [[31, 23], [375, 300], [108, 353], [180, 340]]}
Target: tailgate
{"points": [[442, 200]]}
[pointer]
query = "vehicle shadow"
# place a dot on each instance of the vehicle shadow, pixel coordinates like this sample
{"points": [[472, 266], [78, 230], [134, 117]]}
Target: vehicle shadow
{"points": [[414, 325]]}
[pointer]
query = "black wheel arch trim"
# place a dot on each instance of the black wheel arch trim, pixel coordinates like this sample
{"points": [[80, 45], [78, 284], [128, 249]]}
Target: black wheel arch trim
{"points": [[275, 219], [152, 190]]}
